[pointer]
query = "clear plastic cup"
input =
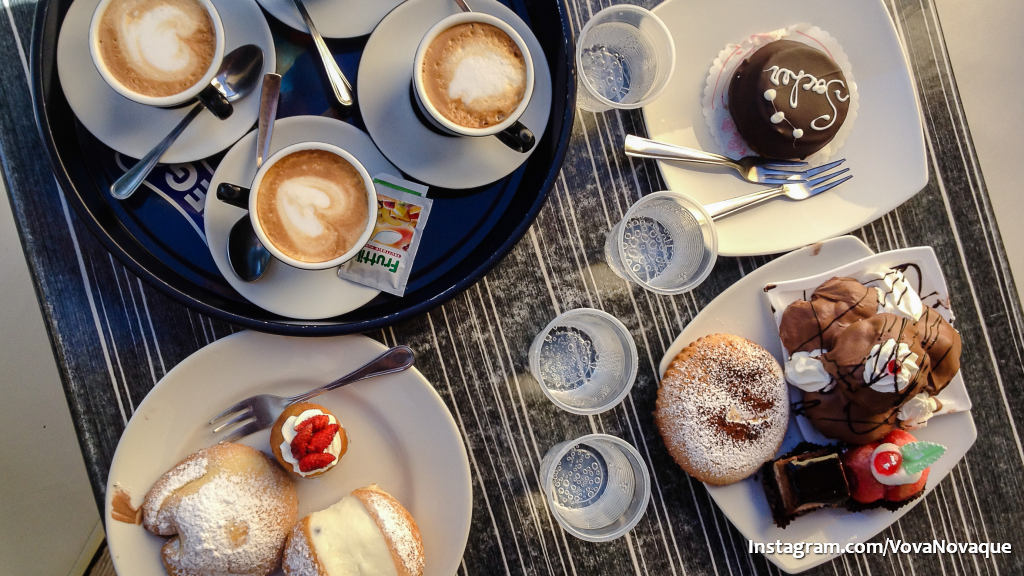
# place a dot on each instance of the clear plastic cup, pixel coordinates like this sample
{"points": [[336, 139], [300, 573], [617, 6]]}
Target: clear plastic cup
{"points": [[666, 243], [624, 57], [597, 486], [585, 361]]}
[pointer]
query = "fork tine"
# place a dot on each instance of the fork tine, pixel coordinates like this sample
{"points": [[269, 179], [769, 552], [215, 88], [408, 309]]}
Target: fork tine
{"points": [[241, 432], [830, 185], [237, 406], [823, 168], [785, 163], [825, 178], [243, 415], [776, 172], [781, 181]]}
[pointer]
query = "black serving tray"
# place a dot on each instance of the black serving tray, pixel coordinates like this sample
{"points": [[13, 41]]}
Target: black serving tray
{"points": [[468, 233]]}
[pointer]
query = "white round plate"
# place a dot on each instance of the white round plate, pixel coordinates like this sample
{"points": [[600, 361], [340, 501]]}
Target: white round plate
{"points": [[402, 437], [884, 151], [283, 290], [743, 309], [132, 128], [385, 98], [333, 18]]}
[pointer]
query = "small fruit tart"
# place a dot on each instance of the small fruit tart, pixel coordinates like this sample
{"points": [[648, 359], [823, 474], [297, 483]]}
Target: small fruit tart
{"points": [[308, 440]]}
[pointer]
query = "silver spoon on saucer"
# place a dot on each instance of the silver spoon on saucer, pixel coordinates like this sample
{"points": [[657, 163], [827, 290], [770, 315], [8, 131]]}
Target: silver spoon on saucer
{"points": [[247, 255], [238, 74]]}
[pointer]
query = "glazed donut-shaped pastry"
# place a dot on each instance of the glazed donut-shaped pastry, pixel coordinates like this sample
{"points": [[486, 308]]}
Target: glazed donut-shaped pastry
{"points": [[722, 408], [366, 532], [308, 440], [228, 509]]}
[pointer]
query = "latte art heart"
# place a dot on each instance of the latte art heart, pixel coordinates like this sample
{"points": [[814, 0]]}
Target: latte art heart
{"points": [[157, 47], [312, 205]]}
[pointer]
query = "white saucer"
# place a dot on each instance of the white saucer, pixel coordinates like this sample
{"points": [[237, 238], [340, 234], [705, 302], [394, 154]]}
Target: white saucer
{"points": [[385, 100], [283, 290], [132, 128], [333, 18]]}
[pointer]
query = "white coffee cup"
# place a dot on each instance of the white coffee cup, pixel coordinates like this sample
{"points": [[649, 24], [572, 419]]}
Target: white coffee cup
{"points": [[510, 126], [371, 201], [161, 101]]}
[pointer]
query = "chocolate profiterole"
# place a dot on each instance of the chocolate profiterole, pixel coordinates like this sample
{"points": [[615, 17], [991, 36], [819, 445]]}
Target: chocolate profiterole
{"points": [[788, 100], [836, 304]]}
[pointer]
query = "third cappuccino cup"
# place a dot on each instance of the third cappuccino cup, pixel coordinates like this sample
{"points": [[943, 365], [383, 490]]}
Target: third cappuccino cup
{"points": [[473, 76], [311, 204]]}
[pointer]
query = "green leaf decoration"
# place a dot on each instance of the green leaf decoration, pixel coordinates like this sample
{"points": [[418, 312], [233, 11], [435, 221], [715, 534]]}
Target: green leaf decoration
{"points": [[919, 455]]}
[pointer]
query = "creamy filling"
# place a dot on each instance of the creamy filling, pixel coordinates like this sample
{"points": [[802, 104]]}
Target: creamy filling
{"points": [[348, 541], [896, 295], [288, 434]]}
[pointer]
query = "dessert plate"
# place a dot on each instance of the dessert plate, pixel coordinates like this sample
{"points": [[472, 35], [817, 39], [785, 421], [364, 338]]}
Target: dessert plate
{"points": [[132, 128], [333, 18], [884, 150], [741, 310], [386, 101], [284, 290], [384, 417]]}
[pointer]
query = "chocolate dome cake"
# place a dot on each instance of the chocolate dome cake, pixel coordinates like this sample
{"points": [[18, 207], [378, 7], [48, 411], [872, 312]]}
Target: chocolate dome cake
{"points": [[788, 100]]}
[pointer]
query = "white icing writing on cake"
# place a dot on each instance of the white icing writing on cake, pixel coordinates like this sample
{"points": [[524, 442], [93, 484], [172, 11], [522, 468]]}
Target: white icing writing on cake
{"points": [[784, 77]]}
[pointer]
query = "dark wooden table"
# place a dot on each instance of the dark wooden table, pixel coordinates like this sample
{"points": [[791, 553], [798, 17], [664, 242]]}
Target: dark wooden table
{"points": [[114, 337]]}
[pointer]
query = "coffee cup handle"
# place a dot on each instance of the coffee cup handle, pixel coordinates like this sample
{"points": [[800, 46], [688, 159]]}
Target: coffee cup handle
{"points": [[233, 194], [517, 137], [216, 102]]}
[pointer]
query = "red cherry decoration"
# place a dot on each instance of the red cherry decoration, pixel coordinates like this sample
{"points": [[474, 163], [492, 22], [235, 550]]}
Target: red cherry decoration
{"points": [[893, 367], [888, 463]]}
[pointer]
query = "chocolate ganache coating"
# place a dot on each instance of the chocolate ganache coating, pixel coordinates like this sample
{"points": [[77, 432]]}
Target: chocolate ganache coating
{"points": [[836, 304], [788, 100]]}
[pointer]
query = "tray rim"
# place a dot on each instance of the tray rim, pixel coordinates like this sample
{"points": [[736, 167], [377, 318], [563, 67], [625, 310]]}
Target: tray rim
{"points": [[282, 325]]}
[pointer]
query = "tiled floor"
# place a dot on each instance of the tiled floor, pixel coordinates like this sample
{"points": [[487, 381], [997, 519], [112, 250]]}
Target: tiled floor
{"points": [[37, 412]]}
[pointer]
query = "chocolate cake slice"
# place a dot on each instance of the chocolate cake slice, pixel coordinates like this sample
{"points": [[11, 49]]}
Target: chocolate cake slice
{"points": [[806, 479]]}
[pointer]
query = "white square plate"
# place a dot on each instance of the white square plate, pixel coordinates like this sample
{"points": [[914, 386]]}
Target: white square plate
{"points": [[885, 149], [742, 310]]}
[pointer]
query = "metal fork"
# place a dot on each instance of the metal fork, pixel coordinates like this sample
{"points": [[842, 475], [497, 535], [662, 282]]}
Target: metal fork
{"points": [[795, 190], [752, 168], [259, 412]]}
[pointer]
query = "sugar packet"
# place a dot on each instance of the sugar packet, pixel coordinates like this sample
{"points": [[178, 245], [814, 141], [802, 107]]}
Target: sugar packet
{"points": [[385, 261]]}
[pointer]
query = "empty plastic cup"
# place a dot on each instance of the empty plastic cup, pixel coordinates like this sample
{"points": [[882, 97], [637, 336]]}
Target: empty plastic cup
{"points": [[597, 486], [666, 243], [624, 56], [585, 361]]}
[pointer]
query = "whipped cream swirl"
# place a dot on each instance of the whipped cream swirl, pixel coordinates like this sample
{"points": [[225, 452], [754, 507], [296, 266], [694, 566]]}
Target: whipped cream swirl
{"points": [[896, 295], [805, 371], [890, 367], [918, 411]]}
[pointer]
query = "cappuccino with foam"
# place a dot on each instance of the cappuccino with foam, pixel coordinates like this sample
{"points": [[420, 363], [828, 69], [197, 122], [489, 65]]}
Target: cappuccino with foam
{"points": [[156, 48], [312, 205], [474, 74]]}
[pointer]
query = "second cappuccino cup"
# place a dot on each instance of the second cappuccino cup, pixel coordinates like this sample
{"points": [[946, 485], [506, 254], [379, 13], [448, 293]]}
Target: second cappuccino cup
{"points": [[473, 76], [311, 204]]}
